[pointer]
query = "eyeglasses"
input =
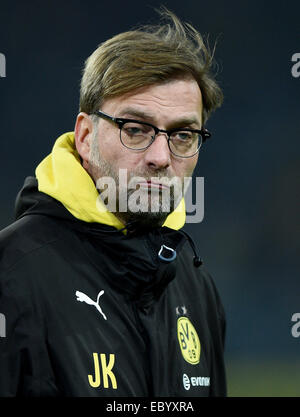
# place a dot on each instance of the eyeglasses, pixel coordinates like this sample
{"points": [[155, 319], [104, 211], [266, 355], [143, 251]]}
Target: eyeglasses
{"points": [[137, 135]]}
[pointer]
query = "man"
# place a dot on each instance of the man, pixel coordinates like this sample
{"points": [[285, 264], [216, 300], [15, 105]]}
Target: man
{"points": [[102, 293]]}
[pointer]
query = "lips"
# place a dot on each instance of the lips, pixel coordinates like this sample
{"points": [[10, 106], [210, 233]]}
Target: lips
{"points": [[153, 185]]}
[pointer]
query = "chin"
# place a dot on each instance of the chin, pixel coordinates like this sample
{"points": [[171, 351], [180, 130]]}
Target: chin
{"points": [[150, 220]]}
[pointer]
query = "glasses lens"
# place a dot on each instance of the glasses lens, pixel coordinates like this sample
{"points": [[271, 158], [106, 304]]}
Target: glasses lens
{"points": [[185, 143], [136, 135]]}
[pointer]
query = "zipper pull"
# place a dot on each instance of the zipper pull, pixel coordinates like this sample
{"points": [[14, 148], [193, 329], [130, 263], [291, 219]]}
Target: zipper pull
{"points": [[172, 254]]}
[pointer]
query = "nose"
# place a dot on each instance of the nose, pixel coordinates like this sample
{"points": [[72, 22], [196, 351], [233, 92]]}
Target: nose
{"points": [[158, 155]]}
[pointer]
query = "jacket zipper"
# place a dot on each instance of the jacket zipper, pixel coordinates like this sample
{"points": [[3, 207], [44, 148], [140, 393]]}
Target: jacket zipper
{"points": [[147, 368]]}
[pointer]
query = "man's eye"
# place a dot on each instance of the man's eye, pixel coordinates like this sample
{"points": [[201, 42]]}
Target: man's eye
{"points": [[133, 129], [182, 135]]}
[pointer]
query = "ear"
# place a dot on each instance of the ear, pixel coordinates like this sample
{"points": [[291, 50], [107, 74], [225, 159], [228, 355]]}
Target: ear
{"points": [[83, 134]]}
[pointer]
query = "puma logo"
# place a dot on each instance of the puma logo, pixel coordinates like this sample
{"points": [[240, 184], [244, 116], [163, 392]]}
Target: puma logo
{"points": [[84, 298]]}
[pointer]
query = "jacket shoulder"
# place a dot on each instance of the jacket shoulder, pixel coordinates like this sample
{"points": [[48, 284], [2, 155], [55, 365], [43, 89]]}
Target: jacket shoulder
{"points": [[24, 236]]}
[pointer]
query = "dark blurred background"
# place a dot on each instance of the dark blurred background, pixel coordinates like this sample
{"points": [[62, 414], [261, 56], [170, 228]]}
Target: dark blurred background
{"points": [[249, 238]]}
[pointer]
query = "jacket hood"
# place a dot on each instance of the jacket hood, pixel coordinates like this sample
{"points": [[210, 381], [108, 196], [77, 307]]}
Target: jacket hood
{"points": [[61, 176]]}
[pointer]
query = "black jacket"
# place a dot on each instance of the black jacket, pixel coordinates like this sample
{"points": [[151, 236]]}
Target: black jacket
{"points": [[89, 311]]}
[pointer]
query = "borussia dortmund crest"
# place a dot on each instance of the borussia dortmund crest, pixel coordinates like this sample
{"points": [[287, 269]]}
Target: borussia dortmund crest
{"points": [[188, 340]]}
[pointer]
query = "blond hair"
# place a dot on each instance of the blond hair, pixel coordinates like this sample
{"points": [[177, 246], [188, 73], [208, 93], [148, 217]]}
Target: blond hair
{"points": [[149, 55]]}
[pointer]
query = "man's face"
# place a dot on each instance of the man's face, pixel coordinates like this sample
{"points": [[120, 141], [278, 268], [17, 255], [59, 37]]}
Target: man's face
{"points": [[177, 103]]}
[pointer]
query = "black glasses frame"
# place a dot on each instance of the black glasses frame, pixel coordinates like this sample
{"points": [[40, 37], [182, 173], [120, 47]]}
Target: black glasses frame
{"points": [[204, 133]]}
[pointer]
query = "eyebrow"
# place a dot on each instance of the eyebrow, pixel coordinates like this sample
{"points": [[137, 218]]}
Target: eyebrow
{"points": [[149, 117]]}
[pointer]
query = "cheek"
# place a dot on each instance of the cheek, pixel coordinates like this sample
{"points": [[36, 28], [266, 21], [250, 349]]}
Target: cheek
{"points": [[112, 150], [185, 168], [191, 164], [109, 144]]}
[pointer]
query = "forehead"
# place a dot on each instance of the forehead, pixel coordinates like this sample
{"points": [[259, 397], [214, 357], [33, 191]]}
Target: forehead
{"points": [[161, 103]]}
